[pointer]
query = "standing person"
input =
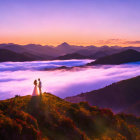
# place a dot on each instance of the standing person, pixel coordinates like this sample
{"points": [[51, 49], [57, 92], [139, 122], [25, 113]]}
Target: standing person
{"points": [[35, 91], [40, 86]]}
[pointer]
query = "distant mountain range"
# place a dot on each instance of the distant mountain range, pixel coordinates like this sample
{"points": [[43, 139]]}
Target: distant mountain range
{"points": [[119, 58], [62, 51], [123, 96]]}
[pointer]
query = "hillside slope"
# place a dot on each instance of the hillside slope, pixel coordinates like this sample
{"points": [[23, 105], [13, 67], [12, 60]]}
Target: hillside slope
{"points": [[6, 55], [118, 58], [123, 96], [72, 56], [52, 118], [45, 52]]}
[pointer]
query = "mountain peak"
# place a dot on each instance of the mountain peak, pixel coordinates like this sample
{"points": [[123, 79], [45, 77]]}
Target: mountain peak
{"points": [[65, 44]]}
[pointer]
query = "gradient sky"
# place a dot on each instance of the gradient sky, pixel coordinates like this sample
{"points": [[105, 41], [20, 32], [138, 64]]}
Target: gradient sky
{"points": [[80, 22]]}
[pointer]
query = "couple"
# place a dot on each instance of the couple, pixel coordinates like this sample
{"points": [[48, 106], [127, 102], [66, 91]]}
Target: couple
{"points": [[39, 85]]}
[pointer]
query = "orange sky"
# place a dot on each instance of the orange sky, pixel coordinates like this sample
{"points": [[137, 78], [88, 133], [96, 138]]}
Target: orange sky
{"points": [[80, 22]]}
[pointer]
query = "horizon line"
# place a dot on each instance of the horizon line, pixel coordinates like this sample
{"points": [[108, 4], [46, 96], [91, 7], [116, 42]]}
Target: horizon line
{"points": [[113, 45]]}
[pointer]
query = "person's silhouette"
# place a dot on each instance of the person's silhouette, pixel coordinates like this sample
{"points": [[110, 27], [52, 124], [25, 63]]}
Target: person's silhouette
{"points": [[35, 91], [40, 86]]}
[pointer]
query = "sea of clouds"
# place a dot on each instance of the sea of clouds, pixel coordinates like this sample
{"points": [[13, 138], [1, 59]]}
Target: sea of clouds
{"points": [[17, 77]]}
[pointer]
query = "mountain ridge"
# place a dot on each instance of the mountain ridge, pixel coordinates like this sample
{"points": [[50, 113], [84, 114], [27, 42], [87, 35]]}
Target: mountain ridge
{"points": [[119, 97], [126, 56], [47, 52], [72, 56], [7, 55]]}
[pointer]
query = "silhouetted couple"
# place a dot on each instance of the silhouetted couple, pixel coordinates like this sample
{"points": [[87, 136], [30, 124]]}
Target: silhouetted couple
{"points": [[38, 85]]}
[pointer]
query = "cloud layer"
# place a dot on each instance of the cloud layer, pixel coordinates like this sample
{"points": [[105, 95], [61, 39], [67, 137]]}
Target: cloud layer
{"points": [[64, 83]]}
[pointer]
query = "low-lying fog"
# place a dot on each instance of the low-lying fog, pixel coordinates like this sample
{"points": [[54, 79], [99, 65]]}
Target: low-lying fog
{"points": [[17, 77]]}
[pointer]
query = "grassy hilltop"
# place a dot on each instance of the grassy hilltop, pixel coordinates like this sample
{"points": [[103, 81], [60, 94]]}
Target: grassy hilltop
{"points": [[52, 118]]}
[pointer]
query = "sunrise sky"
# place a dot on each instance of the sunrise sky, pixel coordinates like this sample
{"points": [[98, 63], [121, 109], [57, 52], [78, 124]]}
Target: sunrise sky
{"points": [[78, 22]]}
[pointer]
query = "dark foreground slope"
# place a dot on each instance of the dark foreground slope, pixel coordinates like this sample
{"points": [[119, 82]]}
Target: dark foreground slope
{"points": [[122, 96], [51, 118], [119, 58]]}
